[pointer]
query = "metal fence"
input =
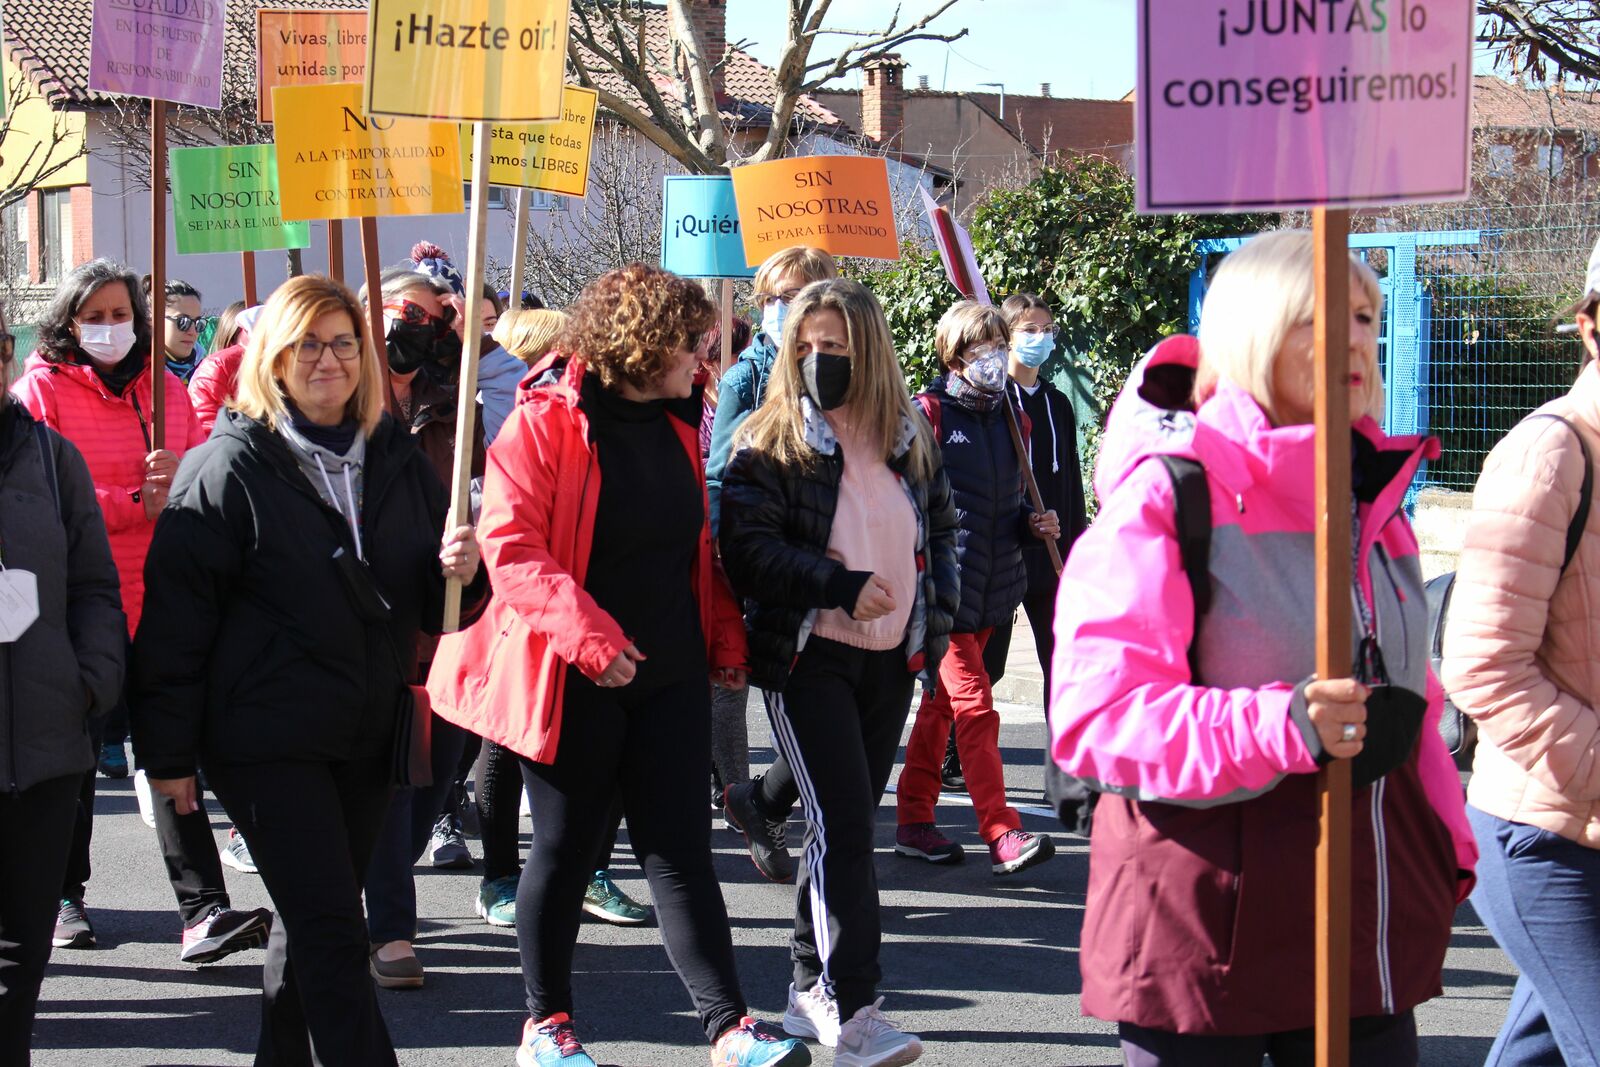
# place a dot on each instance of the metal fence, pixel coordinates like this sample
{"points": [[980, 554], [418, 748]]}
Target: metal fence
{"points": [[1468, 343]]}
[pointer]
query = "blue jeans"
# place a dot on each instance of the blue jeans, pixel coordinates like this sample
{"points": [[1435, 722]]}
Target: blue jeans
{"points": [[1539, 895], [391, 892]]}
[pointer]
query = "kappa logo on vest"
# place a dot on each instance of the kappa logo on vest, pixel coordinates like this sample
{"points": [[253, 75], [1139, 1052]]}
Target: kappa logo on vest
{"points": [[957, 438]]}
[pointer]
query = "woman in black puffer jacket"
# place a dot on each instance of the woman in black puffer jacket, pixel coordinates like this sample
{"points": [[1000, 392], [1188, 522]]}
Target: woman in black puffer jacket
{"points": [[838, 530]]}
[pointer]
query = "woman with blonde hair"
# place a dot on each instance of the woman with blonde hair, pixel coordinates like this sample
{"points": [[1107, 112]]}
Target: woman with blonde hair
{"points": [[1187, 695], [839, 531], [529, 335], [298, 562]]}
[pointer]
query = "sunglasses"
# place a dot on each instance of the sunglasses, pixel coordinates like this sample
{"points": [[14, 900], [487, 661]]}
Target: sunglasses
{"points": [[185, 323], [414, 314]]}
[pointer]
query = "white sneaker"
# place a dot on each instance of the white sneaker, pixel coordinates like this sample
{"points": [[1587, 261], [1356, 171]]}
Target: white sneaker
{"points": [[870, 1039], [147, 802], [812, 1014]]}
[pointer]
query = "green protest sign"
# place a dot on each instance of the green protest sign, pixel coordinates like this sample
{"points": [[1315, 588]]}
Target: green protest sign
{"points": [[226, 200]]}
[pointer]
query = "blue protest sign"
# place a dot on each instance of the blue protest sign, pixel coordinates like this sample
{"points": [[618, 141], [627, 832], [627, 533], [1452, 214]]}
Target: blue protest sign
{"points": [[700, 235]]}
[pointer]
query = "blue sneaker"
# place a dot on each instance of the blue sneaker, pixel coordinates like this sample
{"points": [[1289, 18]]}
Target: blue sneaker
{"points": [[551, 1043], [753, 1044], [113, 761]]}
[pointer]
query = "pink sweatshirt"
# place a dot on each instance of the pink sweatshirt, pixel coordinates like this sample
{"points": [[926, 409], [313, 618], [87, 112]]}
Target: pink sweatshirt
{"points": [[874, 529]]}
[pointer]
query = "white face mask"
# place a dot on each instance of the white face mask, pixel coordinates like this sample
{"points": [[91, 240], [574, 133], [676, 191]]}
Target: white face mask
{"points": [[106, 345], [773, 316]]}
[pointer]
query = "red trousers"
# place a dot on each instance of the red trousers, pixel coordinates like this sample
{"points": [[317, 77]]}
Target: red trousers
{"points": [[965, 695]]}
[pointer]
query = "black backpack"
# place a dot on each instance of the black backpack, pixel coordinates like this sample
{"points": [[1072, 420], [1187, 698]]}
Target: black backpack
{"points": [[1459, 732]]}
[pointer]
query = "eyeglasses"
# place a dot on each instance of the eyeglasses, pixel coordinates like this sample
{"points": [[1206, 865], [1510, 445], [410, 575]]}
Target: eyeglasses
{"points": [[763, 300], [309, 350], [1035, 331], [415, 314], [8, 347], [185, 323], [984, 351]]}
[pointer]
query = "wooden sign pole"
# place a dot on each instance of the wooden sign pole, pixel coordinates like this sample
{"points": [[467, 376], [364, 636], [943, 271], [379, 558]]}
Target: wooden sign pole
{"points": [[1331, 229], [519, 249], [374, 275], [158, 273], [466, 409], [727, 325], [248, 261], [336, 249]]}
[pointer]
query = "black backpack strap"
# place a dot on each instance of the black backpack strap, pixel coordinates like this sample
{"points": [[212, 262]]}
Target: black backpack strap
{"points": [[47, 455], [1580, 518], [1192, 509]]}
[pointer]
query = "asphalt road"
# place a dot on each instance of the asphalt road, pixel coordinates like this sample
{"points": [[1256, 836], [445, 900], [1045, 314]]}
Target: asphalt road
{"points": [[985, 969]]}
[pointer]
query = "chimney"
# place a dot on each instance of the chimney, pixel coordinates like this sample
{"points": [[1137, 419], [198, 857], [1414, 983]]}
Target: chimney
{"points": [[1044, 89], [922, 82], [710, 18], [883, 115]]}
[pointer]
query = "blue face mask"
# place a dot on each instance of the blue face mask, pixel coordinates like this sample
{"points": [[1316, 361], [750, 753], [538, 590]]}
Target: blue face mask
{"points": [[1032, 349], [773, 316]]}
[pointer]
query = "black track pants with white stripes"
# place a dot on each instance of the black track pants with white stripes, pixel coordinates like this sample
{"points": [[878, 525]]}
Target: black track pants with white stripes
{"points": [[838, 724]]}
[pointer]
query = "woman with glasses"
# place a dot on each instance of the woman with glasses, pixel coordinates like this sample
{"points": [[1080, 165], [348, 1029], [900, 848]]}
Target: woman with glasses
{"points": [[59, 670], [181, 333], [967, 409], [759, 809], [291, 579]]}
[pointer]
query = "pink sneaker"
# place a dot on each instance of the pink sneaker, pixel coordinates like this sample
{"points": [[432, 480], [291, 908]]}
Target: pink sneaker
{"points": [[1017, 850], [923, 840]]}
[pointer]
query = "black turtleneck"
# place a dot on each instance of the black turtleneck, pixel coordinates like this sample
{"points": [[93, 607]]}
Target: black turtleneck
{"points": [[647, 532], [119, 377], [334, 438]]}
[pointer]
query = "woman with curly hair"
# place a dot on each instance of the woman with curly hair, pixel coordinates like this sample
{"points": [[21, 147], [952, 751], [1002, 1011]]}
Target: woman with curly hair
{"points": [[592, 662]]}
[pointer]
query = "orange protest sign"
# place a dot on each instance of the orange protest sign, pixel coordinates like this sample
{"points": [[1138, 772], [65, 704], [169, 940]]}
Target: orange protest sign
{"points": [[297, 46], [841, 204]]}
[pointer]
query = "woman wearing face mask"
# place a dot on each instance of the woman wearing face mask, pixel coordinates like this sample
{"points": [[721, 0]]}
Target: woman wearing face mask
{"points": [[759, 811], [1205, 729], [93, 386], [965, 407], [423, 347], [838, 528], [215, 379], [182, 328]]}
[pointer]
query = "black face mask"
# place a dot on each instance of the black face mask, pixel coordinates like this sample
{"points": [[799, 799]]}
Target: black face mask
{"points": [[826, 378], [412, 345]]}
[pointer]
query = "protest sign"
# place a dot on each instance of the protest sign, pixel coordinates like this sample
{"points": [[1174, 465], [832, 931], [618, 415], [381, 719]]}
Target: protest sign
{"points": [[1249, 105], [552, 156], [335, 162], [295, 46], [226, 200], [168, 51], [470, 60], [700, 232], [955, 248], [840, 204]]}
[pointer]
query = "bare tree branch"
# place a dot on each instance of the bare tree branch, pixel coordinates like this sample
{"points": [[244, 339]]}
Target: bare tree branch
{"points": [[1551, 40]]}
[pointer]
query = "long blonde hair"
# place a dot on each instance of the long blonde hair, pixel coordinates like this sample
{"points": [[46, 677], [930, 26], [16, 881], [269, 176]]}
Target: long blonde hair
{"points": [[286, 319], [878, 399]]}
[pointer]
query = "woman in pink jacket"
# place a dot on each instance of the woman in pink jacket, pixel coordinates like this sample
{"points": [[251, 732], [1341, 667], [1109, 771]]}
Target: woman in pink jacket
{"points": [[1522, 660], [1187, 697]]}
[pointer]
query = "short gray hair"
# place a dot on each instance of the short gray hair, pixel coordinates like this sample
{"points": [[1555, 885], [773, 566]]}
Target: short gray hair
{"points": [[56, 341], [395, 282]]}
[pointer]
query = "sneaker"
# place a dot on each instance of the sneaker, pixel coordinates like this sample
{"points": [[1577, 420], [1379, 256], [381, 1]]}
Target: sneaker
{"points": [[765, 838], [146, 798], [753, 1044], [497, 901], [923, 840], [551, 1043], [812, 1014], [403, 973], [72, 926], [448, 849], [604, 900], [113, 761], [223, 932], [950, 772], [870, 1039], [1017, 850], [236, 853], [467, 812]]}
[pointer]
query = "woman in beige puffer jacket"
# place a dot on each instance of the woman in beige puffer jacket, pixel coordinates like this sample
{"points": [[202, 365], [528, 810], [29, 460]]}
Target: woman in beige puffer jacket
{"points": [[1522, 659]]}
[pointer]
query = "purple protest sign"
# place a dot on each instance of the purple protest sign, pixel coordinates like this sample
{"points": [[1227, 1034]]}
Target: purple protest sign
{"points": [[1247, 105], [162, 49]]}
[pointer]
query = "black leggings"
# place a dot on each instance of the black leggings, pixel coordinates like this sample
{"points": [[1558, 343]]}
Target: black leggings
{"points": [[35, 833], [656, 746], [498, 774]]}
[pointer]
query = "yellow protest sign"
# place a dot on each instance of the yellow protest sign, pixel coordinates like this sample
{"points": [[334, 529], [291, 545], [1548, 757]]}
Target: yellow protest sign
{"points": [[552, 156], [468, 60], [336, 162], [841, 204]]}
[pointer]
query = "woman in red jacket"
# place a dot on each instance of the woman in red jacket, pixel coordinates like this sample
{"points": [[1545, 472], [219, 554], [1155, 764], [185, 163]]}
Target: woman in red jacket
{"points": [[592, 661], [92, 385]]}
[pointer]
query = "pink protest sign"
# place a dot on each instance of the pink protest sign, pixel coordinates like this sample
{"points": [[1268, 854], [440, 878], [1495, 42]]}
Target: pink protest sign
{"points": [[171, 50], [1247, 105]]}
